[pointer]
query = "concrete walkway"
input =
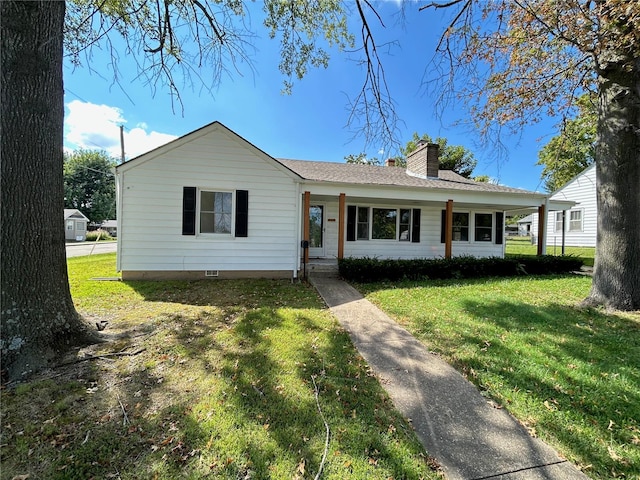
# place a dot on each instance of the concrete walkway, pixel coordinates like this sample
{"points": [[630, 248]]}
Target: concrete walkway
{"points": [[470, 438]]}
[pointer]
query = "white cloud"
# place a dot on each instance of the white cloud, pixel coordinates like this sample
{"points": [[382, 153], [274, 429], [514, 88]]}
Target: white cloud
{"points": [[91, 126]]}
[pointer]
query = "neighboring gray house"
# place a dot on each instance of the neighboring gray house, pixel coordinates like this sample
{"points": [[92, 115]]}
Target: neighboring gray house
{"points": [[110, 226], [75, 225], [524, 226], [579, 224], [211, 204]]}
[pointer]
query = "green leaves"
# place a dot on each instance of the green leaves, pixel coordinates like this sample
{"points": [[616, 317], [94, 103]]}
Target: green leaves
{"points": [[89, 184], [367, 270], [570, 152], [303, 27], [452, 157]]}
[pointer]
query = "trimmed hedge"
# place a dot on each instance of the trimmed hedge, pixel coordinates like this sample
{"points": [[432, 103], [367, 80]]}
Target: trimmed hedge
{"points": [[367, 270]]}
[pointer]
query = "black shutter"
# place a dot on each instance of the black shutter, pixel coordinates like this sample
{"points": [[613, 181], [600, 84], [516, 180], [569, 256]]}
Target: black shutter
{"points": [[351, 223], [242, 213], [415, 232], [443, 224], [499, 227], [189, 211]]}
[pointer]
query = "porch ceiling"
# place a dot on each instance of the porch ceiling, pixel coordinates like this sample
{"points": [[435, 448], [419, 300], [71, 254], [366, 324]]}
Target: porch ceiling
{"points": [[424, 203]]}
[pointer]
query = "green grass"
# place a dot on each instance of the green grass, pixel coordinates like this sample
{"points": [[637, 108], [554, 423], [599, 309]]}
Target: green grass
{"points": [[571, 375], [523, 246], [219, 384]]}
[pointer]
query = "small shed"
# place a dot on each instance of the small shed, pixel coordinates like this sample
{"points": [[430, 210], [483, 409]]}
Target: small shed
{"points": [[524, 226], [75, 225]]}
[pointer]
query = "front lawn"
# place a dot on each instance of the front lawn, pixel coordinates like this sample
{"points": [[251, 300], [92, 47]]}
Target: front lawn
{"points": [[572, 376], [523, 246], [210, 379]]}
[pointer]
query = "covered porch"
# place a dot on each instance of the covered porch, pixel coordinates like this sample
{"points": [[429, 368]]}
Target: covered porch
{"points": [[338, 225]]}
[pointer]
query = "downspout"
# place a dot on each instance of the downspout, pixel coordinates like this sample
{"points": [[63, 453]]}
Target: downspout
{"points": [[119, 179]]}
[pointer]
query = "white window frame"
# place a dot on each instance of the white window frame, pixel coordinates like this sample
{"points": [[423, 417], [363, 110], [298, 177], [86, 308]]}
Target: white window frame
{"points": [[491, 227], [395, 233], [471, 227], [579, 221], [468, 227], [70, 224], [409, 226], [370, 223], [367, 223], [558, 222], [80, 226], [199, 212]]}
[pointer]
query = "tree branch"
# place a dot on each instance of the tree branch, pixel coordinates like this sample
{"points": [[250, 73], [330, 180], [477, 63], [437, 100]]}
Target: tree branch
{"points": [[374, 105], [441, 5], [99, 357], [212, 21]]}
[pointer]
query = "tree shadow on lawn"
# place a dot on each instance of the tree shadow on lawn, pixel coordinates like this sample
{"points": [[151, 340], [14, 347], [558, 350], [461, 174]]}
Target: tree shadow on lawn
{"points": [[226, 293], [275, 429], [578, 368], [227, 390]]}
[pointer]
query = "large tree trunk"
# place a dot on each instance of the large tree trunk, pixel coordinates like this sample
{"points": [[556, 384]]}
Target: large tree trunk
{"points": [[39, 320], [616, 280]]}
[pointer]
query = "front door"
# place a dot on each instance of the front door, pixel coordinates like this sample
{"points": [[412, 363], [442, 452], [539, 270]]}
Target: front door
{"points": [[316, 230]]}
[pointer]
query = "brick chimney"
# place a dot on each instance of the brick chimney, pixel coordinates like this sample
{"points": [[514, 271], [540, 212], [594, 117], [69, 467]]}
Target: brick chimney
{"points": [[423, 161], [390, 162]]}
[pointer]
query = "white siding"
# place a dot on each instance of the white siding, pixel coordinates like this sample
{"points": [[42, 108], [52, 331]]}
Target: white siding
{"points": [[582, 190], [429, 246], [151, 204]]}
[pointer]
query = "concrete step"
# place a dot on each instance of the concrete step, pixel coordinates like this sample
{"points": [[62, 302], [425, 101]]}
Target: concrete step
{"points": [[318, 266]]}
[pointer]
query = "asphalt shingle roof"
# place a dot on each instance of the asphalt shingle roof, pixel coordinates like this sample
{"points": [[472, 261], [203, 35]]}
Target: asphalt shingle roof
{"points": [[390, 176]]}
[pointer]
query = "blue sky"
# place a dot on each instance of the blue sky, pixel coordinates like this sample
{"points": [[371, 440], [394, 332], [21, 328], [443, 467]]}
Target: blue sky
{"points": [[309, 124]]}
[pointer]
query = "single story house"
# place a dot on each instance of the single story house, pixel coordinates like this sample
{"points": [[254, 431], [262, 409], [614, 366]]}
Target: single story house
{"points": [[525, 225], [75, 225], [110, 226], [576, 227], [211, 204]]}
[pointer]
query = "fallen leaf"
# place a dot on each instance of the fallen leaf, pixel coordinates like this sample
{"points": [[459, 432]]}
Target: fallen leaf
{"points": [[612, 453], [301, 467]]}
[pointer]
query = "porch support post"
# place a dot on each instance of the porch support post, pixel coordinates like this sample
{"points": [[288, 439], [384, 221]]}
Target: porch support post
{"points": [[542, 220], [341, 205], [448, 231], [305, 224], [564, 229]]}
